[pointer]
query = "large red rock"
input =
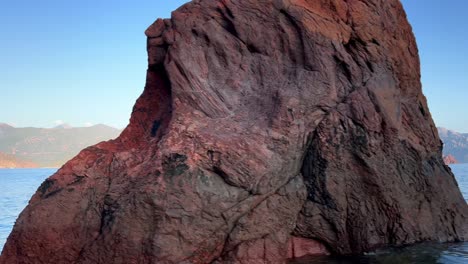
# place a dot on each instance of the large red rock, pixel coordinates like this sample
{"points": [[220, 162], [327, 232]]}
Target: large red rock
{"points": [[260, 120]]}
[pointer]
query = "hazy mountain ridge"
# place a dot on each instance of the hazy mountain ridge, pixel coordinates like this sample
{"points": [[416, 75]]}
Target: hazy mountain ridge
{"points": [[51, 147], [10, 161], [455, 144]]}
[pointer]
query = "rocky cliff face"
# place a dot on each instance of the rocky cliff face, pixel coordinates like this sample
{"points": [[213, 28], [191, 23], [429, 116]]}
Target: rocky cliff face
{"points": [[266, 129]]}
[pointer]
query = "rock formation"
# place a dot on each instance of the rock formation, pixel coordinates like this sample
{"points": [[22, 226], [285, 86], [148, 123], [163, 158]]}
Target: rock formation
{"points": [[266, 128], [450, 159], [455, 144]]}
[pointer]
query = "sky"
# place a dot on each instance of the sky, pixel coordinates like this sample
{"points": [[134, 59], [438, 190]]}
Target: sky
{"points": [[441, 31], [81, 62], [84, 62]]}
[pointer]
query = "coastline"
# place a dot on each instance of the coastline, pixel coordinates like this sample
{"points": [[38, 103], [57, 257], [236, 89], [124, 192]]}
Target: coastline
{"points": [[19, 168]]}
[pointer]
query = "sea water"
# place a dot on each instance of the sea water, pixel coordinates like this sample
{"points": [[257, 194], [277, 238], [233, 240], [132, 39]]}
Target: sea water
{"points": [[16, 188], [461, 173], [18, 185]]}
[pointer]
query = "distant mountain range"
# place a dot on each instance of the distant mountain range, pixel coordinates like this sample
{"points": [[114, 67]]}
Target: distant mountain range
{"points": [[48, 147], [455, 144], [10, 161], [31, 147]]}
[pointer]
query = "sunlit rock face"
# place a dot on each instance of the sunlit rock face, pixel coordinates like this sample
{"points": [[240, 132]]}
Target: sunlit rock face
{"points": [[266, 129]]}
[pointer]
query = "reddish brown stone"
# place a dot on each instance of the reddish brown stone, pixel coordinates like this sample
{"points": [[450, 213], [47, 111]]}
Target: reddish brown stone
{"points": [[299, 247], [259, 120], [450, 159]]}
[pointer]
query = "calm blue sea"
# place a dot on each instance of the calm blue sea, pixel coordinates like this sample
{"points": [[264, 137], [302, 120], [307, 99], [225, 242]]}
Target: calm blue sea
{"points": [[461, 173], [16, 188], [18, 185]]}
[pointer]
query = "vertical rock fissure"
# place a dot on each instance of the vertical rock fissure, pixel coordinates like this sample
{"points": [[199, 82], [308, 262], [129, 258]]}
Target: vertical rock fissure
{"points": [[313, 172]]}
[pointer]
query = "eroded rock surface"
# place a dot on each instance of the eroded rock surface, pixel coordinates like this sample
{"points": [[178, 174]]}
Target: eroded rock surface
{"points": [[260, 122]]}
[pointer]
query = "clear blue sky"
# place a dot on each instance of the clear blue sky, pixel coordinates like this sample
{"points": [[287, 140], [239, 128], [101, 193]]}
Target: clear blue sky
{"points": [[84, 61], [78, 61], [441, 31]]}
